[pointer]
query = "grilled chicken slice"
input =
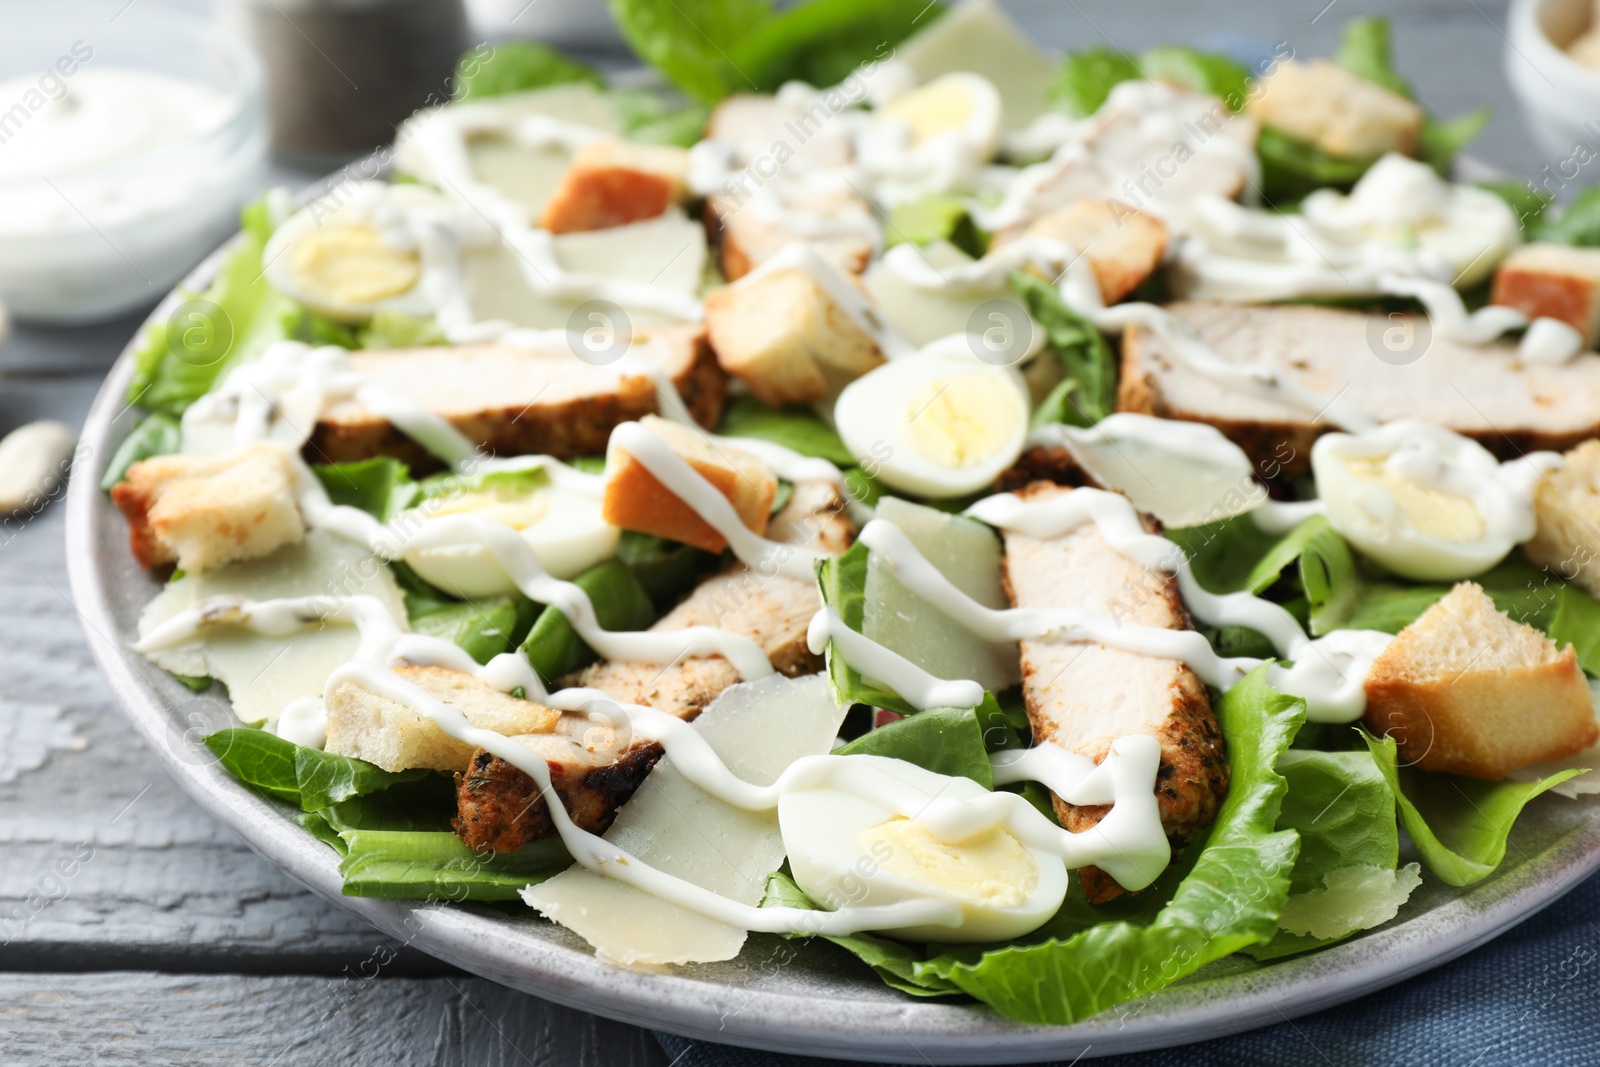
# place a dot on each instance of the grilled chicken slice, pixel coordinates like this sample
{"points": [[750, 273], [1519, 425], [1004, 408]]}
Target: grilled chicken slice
{"points": [[594, 772], [516, 401], [1084, 696]]}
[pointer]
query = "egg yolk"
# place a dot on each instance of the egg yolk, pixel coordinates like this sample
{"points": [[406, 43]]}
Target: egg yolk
{"points": [[352, 264], [940, 107], [1434, 512], [990, 867], [516, 510], [961, 421]]}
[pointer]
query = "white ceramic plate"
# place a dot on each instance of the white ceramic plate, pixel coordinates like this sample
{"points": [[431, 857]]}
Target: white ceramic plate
{"points": [[790, 996]]}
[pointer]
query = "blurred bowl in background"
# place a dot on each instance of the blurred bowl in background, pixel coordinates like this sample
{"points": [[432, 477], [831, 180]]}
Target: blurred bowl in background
{"points": [[129, 137], [570, 23], [1560, 97]]}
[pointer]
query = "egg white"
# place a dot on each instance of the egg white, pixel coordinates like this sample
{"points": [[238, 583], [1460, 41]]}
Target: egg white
{"points": [[822, 823], [877, 417]]}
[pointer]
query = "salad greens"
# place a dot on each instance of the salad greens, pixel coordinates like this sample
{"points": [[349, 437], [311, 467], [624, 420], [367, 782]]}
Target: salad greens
{"points": [[935, 218], [231, 322], [1577, 224], [1087, 77], [156, 435], [946, 741], [1088, 393], [1460, 825], [381, 486], [711, 48], [517, 66], [620, 603]]}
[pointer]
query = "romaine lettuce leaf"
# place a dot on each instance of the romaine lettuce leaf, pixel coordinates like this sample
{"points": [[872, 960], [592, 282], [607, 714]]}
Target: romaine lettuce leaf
{"points": [[843, 583], [517, 66], [231, 322], [1089, 392], [1459, 825], [1577, 224], [620, 603], [821, 42], [1528, 200], [484, 628], [1087, 77], [794, 428], [417, 865], [381, 486], [690, 41], [325, 779], [893, 961], [649, 119], [943, 740], [1327, 572], [936, 218], [156, 435], [664, 569], [1364, 49], [1228, 900], [1344, 812], [311, 778]]}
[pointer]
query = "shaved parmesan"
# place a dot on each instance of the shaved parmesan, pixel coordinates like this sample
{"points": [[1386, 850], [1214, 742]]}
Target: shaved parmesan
{"points": [[1355, 898], [265, 674], [757, 729]]}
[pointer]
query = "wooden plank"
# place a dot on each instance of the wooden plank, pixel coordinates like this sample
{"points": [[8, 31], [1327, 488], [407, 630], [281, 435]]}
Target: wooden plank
{"points": [[143, 1018]]}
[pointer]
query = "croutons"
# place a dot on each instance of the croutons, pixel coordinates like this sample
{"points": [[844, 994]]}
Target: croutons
{"points": [[1566, 506], [786, 339], [1553, 281], [635, 500], [1467, 690], [611, 183], [1338, 111], [203, 511], [369, 726], [1124, 246], [744, 237]]}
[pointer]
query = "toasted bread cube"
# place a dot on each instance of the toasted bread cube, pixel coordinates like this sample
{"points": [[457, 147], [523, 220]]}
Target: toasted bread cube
{"points": [[744, 237], [203, 511], [1338, 111], [611, 183], [369, 726], [1566, 507], [635, 500], [1123, 246], [1555, 282], [1467, 690], [786, 338]]}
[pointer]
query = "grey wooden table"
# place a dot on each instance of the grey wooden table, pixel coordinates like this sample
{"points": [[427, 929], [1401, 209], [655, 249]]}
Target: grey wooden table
{"points": [[167, 939]]}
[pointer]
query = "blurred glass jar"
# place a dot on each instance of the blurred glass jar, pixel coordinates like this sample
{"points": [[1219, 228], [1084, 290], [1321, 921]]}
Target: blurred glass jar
{"points": [[129, 138], [342, 74]]}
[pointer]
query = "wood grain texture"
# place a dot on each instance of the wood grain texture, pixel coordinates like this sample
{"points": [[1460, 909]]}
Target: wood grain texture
{"points": [[123, 1017]]}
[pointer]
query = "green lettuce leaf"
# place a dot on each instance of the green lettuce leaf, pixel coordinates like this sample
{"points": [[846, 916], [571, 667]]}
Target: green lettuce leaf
{"points": [[393, 329], [691, 41], [893, 961], [649, 119], [823, 41], [1443, 140], [156, 435], [1364, 49], [1090, 392], [1291, 168], [515, 67], [1087, 77], [325, 779], [1528, 200], [1577, 224], [843, 583], [936, 218], [381, 486], [793, 428], [944, 740], [620, 603], [1342, 808], [1459, 825], [264, 762], [413, 865], [1327, 572], [664, 569], [1227, 900], [484, 628], [230, 323]]}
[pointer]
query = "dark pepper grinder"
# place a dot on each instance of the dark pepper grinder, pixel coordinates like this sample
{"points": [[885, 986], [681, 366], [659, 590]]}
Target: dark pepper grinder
{"points": [[342, 74]]}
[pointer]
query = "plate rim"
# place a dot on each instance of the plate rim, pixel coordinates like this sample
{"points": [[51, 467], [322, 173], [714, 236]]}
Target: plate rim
{"points": [[721, 1012]]}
